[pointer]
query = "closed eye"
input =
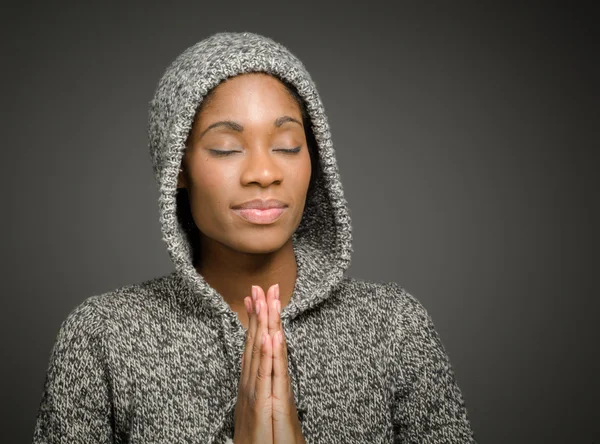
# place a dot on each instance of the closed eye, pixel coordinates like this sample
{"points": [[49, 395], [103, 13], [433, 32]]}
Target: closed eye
{"points": [[293, 150], [222, 153]]}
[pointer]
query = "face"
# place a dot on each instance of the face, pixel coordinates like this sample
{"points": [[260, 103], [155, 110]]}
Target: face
{"points": [[247, 143]]}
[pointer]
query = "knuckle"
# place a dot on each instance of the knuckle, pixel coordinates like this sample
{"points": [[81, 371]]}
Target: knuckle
{"points": [[261, 375], [263, 353], [251, 399]]}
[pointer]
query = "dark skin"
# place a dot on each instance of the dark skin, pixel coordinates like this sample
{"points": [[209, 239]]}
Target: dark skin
{"points": [[231, 277], [237, 254], [264, 124]]}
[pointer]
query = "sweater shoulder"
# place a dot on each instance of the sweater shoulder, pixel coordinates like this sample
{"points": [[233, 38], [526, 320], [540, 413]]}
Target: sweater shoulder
{"points": [[385, 302], [386, 293], [150, 291], [121, 303]]}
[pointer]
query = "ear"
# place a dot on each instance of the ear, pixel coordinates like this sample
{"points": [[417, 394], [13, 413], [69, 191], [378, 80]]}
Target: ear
{"points": [[181, 179]]}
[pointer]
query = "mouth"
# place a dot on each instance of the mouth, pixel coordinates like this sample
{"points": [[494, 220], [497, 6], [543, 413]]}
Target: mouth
{"points": [[260, 216]]}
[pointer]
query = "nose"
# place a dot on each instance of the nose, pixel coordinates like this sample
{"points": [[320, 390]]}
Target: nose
{"points": [[261, 167]]}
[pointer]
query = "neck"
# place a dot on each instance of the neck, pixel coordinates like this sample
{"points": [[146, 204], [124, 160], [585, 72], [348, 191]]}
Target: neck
{"points": [[233, 273]]}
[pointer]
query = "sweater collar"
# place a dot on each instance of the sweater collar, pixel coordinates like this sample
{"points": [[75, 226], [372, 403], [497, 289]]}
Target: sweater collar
{"points": [[323, 240]]}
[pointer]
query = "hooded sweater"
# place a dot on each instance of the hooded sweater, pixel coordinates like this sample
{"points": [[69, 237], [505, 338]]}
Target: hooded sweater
{"points": [[159, 361]]}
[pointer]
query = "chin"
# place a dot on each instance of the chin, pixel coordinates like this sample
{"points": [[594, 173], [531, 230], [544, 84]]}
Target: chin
{"points": [[260, 243]]}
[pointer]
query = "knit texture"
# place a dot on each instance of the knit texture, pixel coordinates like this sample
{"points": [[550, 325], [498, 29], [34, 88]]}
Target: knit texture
{"points": [[159, 361]]}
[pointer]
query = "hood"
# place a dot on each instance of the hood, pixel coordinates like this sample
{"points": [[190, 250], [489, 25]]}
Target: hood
{"points": [[323, 240]]}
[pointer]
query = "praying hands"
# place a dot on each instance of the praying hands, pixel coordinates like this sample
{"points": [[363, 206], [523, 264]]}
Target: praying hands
{"points": [[265, 412]]}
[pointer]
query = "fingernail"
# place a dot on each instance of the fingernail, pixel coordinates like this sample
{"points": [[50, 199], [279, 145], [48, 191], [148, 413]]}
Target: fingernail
{"points": [[276, 291], [254, 292], [278, 306], [258, 307]]}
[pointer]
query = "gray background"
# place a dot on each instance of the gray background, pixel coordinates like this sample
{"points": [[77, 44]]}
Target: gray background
{"points": [[467, 140]]}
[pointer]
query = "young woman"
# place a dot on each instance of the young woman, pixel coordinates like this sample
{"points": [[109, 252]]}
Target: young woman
{"points": [[257, 336]]}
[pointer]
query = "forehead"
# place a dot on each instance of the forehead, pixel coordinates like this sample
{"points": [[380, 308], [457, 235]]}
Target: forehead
{"points": [[250, 92], [249, 80]]}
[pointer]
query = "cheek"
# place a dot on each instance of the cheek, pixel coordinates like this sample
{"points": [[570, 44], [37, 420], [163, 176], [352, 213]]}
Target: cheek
{"points": [[301, 175], [214, 175], [211, 184]]}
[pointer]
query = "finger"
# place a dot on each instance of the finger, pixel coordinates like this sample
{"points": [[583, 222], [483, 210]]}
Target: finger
{"points": [[261, 315], [261, 295], [277, 310], [246, 359], [266, 297], [248, 309], [281, 380], [250, 337], [263, 376], [273, 315]]}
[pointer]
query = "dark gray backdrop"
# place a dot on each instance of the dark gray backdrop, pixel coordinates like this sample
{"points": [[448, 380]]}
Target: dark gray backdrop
{"points": [[467, 139]]}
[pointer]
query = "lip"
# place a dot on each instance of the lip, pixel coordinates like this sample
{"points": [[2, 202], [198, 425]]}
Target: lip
{"points": [[258, 216], [261, 204]]}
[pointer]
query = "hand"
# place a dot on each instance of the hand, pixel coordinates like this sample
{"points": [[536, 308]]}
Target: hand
{"points": [[284, 416], [253, 417], [286, 426]]}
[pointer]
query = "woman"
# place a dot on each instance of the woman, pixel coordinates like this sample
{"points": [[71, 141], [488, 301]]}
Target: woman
{"points": [[257, 336]]}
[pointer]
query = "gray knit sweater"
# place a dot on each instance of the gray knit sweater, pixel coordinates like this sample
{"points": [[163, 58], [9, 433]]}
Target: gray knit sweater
{"points": [[159, 361]]}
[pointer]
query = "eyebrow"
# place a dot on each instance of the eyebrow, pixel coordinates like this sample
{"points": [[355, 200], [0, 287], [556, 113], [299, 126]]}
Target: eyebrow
{"points": [[239, 128]]}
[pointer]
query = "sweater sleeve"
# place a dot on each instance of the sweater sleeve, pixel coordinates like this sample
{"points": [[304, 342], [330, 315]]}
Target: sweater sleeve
{"points": [[76, 405], [428, 406]]}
